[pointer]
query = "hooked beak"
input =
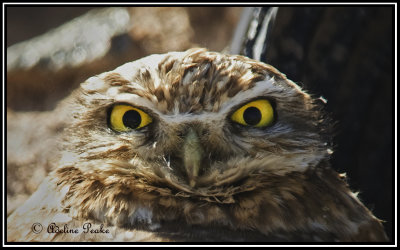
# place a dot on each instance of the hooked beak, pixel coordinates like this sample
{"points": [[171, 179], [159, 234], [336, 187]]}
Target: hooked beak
{"points": [[192, 155]]}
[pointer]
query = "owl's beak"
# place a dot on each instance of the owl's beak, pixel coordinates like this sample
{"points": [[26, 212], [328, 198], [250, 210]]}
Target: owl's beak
{"points": [[192, 155]]}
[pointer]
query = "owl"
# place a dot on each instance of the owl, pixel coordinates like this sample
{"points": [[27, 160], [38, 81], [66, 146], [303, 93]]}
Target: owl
{"points": [[194, 146]]}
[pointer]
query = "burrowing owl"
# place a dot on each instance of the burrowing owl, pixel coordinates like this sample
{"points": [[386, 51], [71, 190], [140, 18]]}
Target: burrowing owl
{"points": [[193, 146]]}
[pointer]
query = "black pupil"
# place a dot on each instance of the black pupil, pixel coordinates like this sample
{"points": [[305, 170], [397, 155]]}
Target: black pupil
{"points": [[252, 116], [131, 119]]}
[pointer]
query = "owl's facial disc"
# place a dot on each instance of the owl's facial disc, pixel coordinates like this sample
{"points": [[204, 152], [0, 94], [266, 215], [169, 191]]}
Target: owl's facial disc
{"points": [[204, 118]]}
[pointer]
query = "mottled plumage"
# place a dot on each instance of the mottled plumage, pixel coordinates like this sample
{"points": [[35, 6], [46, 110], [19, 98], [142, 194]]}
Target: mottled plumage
{"points": [[193, 174]]}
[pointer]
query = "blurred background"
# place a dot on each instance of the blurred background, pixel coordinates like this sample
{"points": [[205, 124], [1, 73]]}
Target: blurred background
{"points": [[344, 54]]}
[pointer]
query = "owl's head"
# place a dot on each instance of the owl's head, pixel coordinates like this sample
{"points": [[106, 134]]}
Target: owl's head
{"points": [[196, 122]]}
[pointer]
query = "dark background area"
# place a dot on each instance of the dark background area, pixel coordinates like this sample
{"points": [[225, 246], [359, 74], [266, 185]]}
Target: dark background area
{"points": [[344, 54]]}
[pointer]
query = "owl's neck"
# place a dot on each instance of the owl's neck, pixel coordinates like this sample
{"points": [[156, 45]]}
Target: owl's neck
{"points": [[310, 201]]}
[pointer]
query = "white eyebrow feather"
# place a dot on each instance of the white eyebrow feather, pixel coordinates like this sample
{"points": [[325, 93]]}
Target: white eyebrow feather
{"points": [[260, 88], [136, 100]]}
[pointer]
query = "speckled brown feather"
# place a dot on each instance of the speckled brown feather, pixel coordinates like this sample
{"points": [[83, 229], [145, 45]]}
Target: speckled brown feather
{"points": [[271, 184]]}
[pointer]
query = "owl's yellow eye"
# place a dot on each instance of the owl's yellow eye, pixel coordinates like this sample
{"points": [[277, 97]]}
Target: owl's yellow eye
{"points": [[124, 118], [258, 113]]}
